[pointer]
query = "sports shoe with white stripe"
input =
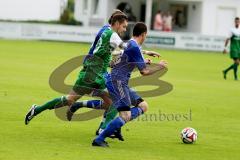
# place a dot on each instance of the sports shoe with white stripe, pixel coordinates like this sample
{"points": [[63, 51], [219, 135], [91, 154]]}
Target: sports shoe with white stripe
{"points": [[100, 144], [117, 134], [30, 114]]}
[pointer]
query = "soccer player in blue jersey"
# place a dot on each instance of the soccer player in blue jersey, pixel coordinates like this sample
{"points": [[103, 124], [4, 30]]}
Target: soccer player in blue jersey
{"points": [[117, 84], [111, 112]]}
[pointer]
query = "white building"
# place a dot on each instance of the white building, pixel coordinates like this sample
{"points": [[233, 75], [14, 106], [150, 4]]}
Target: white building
{"points": [[203, 24], [23, 10], [208, 17]]}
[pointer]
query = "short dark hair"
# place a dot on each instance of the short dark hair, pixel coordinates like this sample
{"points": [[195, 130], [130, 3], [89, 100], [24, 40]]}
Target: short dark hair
{"points": [[159, 11], [139, 28], [116, 11], [237, 19], [119, 18]]}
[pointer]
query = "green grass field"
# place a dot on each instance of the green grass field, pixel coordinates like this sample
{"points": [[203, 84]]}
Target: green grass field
{"points": [[25, 67]]}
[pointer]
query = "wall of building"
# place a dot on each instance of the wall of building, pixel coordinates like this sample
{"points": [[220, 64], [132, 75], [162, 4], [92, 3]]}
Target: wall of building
{"points": [[209, 17], [194, 17], [44, 10], [218, 16], [81, 11], [91, 12], [85, 10], [136, 5]]}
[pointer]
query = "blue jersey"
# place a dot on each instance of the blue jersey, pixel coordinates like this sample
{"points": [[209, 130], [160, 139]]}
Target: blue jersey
{"points": [[131, 58], [97, 38]]}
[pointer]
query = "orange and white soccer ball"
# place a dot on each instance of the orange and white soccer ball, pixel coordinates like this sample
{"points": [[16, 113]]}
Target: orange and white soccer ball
{"points": [[189, 135]]}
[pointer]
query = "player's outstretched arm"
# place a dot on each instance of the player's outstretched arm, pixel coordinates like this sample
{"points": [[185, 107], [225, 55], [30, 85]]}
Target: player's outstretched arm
{"points": [[149, 71], [151, 53], [225, 46]]}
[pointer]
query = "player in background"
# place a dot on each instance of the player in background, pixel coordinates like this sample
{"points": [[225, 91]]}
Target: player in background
{"points": [[90, 79], [117, 84], [234, 38]]}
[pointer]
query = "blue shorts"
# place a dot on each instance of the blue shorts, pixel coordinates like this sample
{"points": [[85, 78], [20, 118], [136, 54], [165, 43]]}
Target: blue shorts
{"points": [[122, 96]]}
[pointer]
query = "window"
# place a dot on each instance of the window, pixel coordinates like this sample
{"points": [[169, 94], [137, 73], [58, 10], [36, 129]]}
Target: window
{"points": [[179, 12]]}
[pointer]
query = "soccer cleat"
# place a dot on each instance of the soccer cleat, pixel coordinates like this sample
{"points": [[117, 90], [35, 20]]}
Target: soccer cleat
{"points": [[100, 144], [224, 74], [118, 135], [30, 114], [69, 114], [97, 132], [72, 109]]}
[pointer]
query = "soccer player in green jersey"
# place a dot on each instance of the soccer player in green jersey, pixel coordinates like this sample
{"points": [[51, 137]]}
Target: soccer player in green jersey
{"points": [[234, 39], [91, 77]]}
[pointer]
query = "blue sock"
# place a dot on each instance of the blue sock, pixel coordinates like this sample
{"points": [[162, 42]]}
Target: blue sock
{"points": [[118, 123], [95, 104], [112, 126], [135, 112]]}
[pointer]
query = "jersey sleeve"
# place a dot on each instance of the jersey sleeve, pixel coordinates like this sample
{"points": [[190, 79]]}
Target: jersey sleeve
{"points": [[136, 57], [230, 33], [115, 40]]}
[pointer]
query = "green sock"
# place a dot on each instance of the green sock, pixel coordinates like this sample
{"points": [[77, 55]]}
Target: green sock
{"points": [[235, 68], [55, 103], [111, 114], [229, 68], [103, 120]]}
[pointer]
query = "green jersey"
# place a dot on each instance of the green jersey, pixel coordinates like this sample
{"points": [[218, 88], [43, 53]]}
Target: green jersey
{"points": [[106, 44], [235, 43], [99, 62], [95, 66]]}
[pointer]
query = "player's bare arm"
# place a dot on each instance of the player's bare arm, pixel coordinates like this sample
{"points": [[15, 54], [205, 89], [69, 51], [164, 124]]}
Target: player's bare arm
{"points": [[151, 53], [149, 71], [225, 46]]}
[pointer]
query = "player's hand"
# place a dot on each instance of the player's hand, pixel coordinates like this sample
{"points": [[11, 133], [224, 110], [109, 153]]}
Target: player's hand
{"points": [[224, 51], [163, 64], [153, 54], [148, 61]]}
